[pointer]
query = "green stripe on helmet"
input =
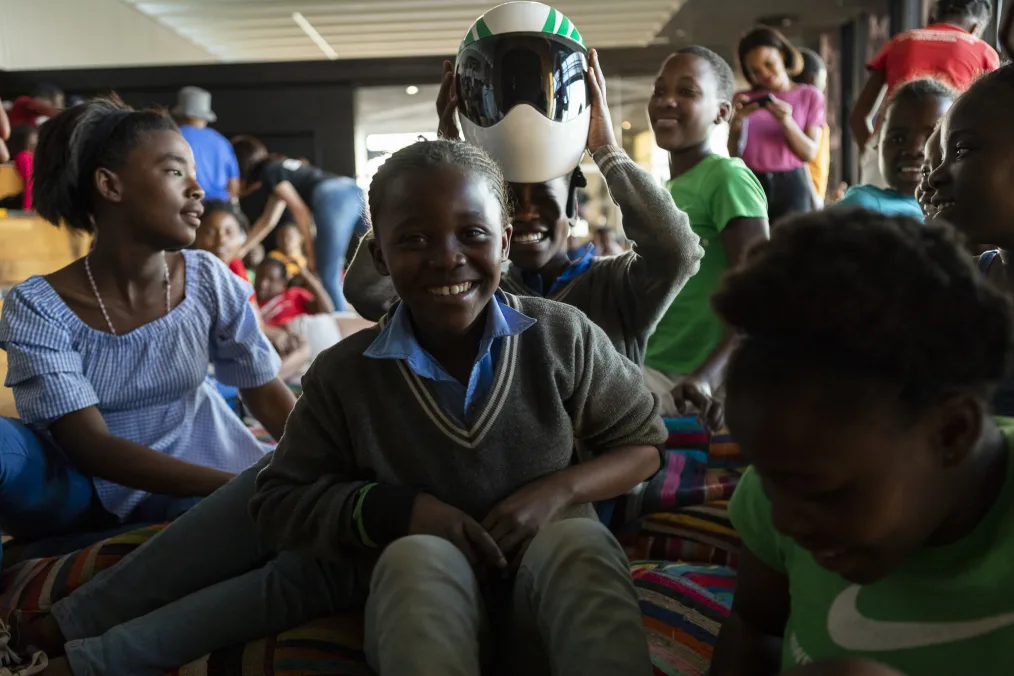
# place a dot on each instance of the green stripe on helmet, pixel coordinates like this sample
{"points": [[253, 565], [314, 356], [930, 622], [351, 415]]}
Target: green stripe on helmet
{"points": [[550, 26], [564, 27], [482, 29]]}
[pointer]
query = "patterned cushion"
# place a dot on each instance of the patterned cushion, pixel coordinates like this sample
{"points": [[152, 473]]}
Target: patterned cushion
{"points": [[682, 607]]}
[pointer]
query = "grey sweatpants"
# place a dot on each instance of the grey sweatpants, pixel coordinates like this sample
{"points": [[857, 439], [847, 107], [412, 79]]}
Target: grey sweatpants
{"points": [[208, 581]]}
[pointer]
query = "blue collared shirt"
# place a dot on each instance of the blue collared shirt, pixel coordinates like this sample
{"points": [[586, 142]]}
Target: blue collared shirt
{"points": [[533, 280], [397, 341]]}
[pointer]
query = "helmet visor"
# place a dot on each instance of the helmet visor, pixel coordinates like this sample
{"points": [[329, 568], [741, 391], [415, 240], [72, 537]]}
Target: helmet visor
{"points": [[496, 73]]}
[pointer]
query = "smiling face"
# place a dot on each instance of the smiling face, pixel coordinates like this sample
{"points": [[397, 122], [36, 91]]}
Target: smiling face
{"points": [[862, 486], [924, 193], [442, 240], [157, 190], [221, 234], [684, 108], [764, 67], [541, 225], [908, 124], [973, 182]]}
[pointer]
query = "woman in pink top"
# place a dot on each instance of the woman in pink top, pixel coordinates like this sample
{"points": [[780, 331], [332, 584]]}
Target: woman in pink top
{"points": [[776, 127]]}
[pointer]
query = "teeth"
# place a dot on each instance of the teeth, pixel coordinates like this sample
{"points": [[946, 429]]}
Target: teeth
{"points": [[452, 290], [529, 238]]}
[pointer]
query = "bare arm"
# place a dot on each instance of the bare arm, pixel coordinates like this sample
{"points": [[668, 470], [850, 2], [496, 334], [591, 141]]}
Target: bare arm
{"points": [[301, 212], [5, 124], [271, 404], [233, 186], [737, 238], [749, 643], [85, 438], [321, 300], [267, 222], [804, 144], [860, 120]]}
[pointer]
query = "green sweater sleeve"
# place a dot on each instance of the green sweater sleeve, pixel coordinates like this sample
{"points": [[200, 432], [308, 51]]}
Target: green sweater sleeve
{"points": [[610, 406], [668, 251], [369, 292], [311, 497]]}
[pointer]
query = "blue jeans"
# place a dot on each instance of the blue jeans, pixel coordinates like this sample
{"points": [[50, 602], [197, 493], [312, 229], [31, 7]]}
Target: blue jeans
{"points": [[338, 213], [46, 501]]}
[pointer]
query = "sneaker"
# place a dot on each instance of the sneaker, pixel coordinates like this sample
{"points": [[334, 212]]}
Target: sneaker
{"points": [[13, 664]]}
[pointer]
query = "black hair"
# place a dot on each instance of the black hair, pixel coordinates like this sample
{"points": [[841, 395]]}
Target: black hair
{"points": [[430, 155], [724, 76], [765, 36], [19, 138], [1001, 79], [920, 91], [46, 91], [813, 66], [976, 12], [251, 155], [213, 206], [274, 262], [870, 297], [76, 143]]}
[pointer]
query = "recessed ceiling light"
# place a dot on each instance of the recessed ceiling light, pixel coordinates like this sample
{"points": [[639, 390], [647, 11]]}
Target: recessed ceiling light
{"points": [[411, 90], [626, 124], [314, 35]]}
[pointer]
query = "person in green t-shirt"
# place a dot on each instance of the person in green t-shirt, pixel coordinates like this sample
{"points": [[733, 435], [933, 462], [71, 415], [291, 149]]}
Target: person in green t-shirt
{"points": [[877, 518], [686, 355]]}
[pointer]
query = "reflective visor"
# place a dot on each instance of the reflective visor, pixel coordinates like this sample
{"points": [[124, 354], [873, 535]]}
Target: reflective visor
{"points": [[496, 73]]}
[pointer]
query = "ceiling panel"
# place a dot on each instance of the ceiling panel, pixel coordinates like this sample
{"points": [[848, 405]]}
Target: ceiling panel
{"points": [[258, 30]]}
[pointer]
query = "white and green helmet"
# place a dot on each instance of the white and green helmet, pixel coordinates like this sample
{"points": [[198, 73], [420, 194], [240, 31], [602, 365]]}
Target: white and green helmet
{"points": [[522, 90]]}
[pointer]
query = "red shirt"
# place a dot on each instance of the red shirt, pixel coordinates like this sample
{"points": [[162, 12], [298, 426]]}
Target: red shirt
{"points": [[24, 162], [27, 110], [236, 265], [939, 51], [286, 306]]}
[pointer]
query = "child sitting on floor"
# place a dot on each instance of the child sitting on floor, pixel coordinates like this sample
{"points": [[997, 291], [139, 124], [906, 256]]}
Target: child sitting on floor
{"points": [[877, 519], [281, 302], [909, 120], [223, 232], [290, 248], [425, 509]]}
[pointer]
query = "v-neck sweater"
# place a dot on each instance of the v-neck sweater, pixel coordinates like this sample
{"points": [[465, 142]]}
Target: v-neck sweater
{"points": [[362, 421], [625, 295]]}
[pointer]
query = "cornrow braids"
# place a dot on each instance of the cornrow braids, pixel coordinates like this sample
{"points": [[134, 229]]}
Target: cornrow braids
{"points": [[77, 142], [724, 76], [428, 155], [879, 298]]}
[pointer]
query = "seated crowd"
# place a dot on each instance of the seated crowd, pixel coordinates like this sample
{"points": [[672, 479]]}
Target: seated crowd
{"points": [[448, 470]]}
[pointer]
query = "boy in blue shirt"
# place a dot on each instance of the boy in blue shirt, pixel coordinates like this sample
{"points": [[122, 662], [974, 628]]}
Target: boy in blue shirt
{"points": [[217, 169]]}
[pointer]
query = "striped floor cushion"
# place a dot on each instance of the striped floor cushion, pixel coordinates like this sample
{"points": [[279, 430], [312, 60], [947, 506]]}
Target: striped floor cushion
{"points": [[682, 608]]}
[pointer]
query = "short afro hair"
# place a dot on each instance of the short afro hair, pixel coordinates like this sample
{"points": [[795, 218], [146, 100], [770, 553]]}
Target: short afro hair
{"points": [[860, 295], [723, 71]]}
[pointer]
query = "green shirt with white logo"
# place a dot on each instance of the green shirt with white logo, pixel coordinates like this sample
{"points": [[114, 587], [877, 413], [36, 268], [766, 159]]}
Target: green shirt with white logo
{"points": [[948, 611]]}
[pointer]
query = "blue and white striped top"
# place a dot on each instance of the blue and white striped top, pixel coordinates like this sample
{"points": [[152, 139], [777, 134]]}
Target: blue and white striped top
{"points": [[151, 384]]}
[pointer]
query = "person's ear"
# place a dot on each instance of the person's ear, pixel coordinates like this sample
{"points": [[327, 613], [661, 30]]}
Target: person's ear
{"points": [[109, 185], [505, 241], [378, 257], [956, 426], [724, 112], [974, 29]]}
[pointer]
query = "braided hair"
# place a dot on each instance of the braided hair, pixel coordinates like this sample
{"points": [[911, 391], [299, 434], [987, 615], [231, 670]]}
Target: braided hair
{"points": [[95, 135], [429, 155], [885, 301]]}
